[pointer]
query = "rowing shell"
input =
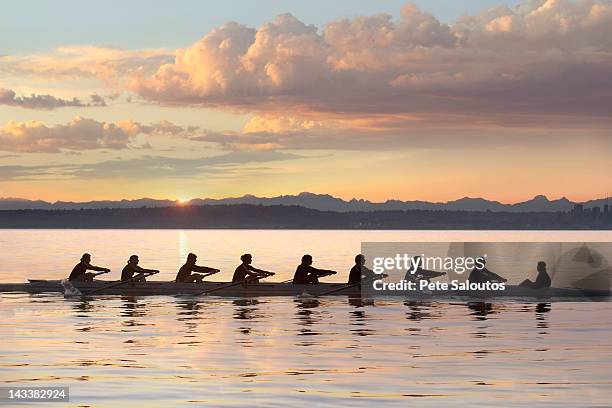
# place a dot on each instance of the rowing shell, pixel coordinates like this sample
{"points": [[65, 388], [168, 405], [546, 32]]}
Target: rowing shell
{"points": [[284, 289], [174, 288]]}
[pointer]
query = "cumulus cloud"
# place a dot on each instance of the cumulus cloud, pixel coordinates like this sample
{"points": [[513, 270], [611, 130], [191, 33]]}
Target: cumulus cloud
{"points": [[77, 135], [544, 57], [46, 102]]}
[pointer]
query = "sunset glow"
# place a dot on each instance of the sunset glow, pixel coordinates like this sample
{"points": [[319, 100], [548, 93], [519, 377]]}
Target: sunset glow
{"points": [[392, 101]]}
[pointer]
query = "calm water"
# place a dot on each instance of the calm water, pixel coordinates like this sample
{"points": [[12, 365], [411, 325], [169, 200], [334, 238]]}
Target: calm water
{"points": [[210, 351]]}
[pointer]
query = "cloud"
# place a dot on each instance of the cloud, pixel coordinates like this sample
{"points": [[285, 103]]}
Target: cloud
{"points": [[147, 167], [110, 65], [541, 58], [46, 102], [22, 173], [152, 167], [77, 135]]}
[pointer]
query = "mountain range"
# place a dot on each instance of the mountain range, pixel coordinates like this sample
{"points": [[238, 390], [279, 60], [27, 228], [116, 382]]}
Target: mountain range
{"points": [[323, 202]]}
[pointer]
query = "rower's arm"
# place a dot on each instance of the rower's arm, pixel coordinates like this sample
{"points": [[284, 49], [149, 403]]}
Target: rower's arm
{"points": [[431, 274], [252, 274], [367, 272], [97, 268], [138, 269], [259, 271], [204, 269], [322, 272]]}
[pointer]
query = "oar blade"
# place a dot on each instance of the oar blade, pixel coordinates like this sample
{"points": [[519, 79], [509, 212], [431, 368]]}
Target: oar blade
{"points": [[69, 289]]}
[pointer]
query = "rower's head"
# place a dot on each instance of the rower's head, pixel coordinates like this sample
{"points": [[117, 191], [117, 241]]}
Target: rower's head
{"points": [[541, 266], [360, 260], [307, 260], [86, 258], [133, 259], [192, 258], [246, 259]]}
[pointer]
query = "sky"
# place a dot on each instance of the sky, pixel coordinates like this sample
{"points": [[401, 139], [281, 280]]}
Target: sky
{"points": [[432, 100]]}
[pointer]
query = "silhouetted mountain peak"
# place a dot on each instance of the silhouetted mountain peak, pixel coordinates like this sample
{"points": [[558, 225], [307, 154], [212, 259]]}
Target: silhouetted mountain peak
{"points": [[323, 202]]}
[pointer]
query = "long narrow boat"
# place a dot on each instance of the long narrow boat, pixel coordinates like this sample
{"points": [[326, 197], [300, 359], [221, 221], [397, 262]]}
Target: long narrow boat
{"points": [[174, 288], [283, 289]]}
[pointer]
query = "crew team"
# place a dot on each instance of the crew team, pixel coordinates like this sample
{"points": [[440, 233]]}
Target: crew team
{"points": [[304, 274]]}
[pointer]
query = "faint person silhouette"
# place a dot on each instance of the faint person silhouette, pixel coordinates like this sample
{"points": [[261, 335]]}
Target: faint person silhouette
{"points": [[420, 273], [482, 275], [359, 270], [542, 280]]}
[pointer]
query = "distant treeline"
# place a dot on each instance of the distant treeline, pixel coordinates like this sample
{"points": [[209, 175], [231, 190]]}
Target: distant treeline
{"points": [[293, 217]]}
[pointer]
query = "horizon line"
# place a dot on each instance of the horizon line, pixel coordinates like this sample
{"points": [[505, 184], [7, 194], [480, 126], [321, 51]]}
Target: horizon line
{"points": [[186, 201]]}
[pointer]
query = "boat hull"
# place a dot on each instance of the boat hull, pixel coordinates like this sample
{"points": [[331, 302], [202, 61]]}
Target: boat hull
{"points": [[284, 289], [174, 288]]}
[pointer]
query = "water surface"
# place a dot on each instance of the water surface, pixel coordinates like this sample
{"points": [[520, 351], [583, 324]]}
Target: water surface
{"points": [[171, 351]]}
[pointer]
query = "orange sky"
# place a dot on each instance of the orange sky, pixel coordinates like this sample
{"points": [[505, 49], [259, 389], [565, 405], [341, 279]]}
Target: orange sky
{"points": [[503, 103]]}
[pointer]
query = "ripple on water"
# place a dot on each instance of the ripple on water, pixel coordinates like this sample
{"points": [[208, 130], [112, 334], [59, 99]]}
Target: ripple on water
{"points": [[186, 351]]}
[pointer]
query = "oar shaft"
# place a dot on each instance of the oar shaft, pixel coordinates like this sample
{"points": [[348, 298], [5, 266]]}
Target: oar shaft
{"points": [[114, 285], [329, 292], [350, 285], [229, 285]]}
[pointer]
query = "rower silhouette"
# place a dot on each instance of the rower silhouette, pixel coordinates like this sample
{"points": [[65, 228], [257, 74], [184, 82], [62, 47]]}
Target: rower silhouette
{"points": [[359, 271], [246, 271], [79, 272], [483, 275], [420, 273], [132, 269], [542, 281], [308, 274], [185, 272]]}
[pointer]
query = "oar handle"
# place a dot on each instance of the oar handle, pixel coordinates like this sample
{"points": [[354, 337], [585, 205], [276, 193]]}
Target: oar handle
{"points": [[115, 284], [210, 273], [328, 273], [101, 273]]}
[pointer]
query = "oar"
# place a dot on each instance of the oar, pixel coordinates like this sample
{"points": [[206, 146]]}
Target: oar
{"points": [[114, 285], [229, 285], [207, 274], [352, 285], [99, 273]]}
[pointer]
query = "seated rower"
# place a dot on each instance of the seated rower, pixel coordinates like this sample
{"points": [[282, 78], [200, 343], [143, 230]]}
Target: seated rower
{"points": [[246, 271], [79, 272], [185, 272], [542, 281], [483, 275], [420, 273], [307, 274], [359, 271], [132, 269]]}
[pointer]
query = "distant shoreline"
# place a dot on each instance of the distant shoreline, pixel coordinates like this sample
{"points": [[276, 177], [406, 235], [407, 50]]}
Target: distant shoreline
{"points": [[245, 216]]}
